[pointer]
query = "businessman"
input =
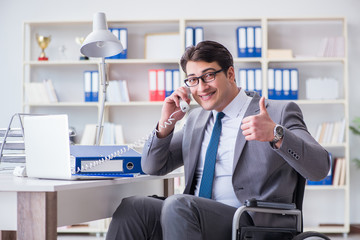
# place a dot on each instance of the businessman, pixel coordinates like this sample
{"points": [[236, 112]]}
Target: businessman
{"points": [[236, 146]]}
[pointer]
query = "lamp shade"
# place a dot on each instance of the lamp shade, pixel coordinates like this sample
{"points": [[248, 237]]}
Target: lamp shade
{"points": [[100, 42]]}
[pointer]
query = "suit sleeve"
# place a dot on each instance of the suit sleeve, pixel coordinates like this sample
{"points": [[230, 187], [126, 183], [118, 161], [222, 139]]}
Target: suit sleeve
{"points": [[162, 155], [299, 148]]}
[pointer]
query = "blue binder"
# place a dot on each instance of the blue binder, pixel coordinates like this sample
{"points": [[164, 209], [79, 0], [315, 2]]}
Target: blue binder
{"points": [[189, 37], [85, 155], [250, 42], [294, 83], [278, 93], [87, 86], [258, 41], [94, 86], [176, 79], [258, 80], [241, 42], [198, 35], [122, 35], [271, 83], [250, 83], [286, 84], [241, 82], [169, 86], [116, 33]]}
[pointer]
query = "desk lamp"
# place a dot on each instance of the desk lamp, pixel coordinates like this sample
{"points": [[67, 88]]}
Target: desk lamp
{"points": [[101, 43]]}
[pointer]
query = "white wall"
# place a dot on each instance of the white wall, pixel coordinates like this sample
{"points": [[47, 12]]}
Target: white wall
{"points": [[14, 12]]}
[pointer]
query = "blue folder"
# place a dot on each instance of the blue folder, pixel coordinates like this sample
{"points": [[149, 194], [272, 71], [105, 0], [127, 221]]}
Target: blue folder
{"points": [[91, 157], [241, 42]]}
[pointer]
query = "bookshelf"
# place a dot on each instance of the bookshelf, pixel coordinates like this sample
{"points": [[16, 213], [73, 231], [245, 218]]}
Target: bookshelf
{"points": [[302, 35]]}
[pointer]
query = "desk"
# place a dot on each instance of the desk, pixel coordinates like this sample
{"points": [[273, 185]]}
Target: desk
{"points": [[36, 207]]}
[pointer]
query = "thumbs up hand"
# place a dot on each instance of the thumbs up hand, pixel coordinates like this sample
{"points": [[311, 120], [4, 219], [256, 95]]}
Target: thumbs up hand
{"points": [[259, 127]]}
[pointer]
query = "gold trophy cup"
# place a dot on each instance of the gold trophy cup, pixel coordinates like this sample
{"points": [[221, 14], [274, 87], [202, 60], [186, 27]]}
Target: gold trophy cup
{"points": [[43, 43], [80, 40]]}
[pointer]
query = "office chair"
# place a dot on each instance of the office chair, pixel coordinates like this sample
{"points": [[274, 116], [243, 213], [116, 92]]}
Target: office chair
{"points": [[269, 233]]}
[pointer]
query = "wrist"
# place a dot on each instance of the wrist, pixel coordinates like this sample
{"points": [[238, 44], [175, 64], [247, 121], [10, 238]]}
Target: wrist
{"points": [[278, 134]]}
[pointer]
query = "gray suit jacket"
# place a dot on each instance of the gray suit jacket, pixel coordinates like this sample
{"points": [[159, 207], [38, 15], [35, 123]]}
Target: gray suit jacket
{"points": [[259, 170]]}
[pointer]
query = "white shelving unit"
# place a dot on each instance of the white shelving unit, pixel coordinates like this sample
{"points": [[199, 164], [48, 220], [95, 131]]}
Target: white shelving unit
{"points": [[138, 117]]}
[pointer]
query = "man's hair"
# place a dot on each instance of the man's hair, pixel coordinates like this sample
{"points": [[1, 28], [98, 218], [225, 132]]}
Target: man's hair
{"points": [[208, 51]]}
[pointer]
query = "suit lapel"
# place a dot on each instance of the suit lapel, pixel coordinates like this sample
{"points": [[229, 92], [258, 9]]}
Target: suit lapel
{"points": [[196, 141], [253, 109]]}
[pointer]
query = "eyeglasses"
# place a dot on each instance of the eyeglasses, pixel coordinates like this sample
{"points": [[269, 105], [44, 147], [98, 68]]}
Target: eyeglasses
{"points": [[206, 78]]}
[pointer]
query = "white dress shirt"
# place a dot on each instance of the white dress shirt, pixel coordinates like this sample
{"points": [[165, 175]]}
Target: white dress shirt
{"points": [[222, 187]]}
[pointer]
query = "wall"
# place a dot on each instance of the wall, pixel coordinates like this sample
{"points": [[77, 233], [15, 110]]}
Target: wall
{"points": [[14, 12]]}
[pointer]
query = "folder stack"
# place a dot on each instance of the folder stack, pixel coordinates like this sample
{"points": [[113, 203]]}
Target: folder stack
{"points": [[249, 40], [283, 83], [162, 83], [193, 35], [250, 79], [91, 86], [121, 34]]}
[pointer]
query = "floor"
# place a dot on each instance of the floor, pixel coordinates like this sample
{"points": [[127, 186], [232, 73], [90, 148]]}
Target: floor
{"points": [[94, 237]]}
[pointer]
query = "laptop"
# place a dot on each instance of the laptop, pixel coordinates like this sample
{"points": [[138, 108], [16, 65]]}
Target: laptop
{"points": [[47, 148]]}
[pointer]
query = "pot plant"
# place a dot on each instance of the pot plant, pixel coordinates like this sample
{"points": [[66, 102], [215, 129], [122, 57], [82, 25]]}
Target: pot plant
{"points": [[355, 128]]}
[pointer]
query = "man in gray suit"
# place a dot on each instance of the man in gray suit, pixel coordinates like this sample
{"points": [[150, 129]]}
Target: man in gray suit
{"points": [[262, 147]]}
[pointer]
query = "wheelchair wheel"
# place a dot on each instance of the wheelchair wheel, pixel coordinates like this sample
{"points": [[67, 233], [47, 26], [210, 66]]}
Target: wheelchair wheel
{"points": [[310, 235]]}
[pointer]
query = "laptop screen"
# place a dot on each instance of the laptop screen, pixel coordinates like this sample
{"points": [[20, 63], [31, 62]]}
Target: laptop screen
{"points": [[47, 146]]}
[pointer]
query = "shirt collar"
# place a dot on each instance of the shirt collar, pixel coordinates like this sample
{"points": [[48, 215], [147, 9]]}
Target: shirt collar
{"points": [[234, 108]]}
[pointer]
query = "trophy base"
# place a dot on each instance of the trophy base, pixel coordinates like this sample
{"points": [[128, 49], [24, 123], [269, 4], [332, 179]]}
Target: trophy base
{"points": [[84, 58], [43, 58]]}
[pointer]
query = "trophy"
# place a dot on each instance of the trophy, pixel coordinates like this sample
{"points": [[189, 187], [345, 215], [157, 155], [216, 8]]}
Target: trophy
{"points": [[80, 40], [43, 43]]}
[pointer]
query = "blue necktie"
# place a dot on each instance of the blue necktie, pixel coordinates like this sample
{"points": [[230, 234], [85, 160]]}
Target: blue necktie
{"points": [[210, 159]]}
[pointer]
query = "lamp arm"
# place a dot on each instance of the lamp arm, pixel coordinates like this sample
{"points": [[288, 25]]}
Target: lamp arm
{"points": [[104, 83]]}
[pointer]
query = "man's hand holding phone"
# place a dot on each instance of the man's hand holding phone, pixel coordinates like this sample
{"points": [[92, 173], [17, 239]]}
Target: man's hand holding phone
{"points": [[172, 104]]}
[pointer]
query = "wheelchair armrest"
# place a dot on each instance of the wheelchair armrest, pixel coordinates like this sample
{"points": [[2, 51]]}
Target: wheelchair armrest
{"points": [[266, 207], [265, 204]]}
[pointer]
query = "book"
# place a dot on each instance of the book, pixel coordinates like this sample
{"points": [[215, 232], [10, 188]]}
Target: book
{"points": [[342, 178], [36, 93], [330, 132], [119, 135], [117, 91], [279, 53], [50, 90], [337, 171], [89, 135]]}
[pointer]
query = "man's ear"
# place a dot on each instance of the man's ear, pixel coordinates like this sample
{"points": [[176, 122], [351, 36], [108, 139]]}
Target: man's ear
{"points": [[231, 74]]}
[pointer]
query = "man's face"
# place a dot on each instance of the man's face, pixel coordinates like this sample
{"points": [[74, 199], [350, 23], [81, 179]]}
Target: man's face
{"points": [[215, 95]]}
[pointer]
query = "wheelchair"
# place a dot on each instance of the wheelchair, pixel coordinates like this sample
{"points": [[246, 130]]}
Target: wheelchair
{"points": [[271, 233]]}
